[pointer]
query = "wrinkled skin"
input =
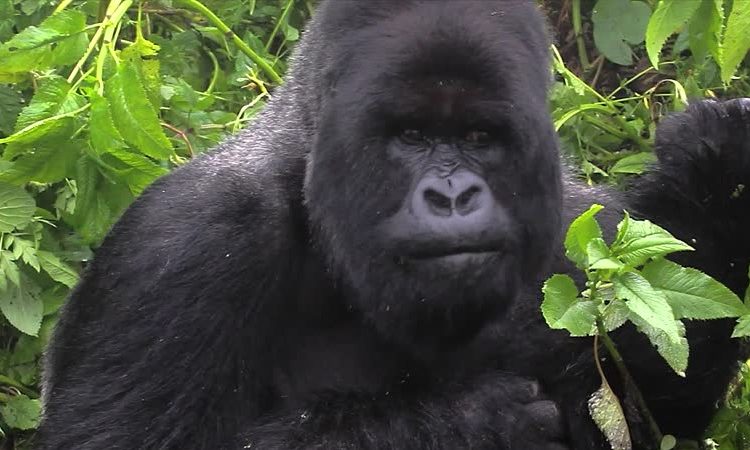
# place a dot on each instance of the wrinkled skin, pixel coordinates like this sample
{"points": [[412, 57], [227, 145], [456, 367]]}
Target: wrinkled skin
{"points": [[361, 267]]}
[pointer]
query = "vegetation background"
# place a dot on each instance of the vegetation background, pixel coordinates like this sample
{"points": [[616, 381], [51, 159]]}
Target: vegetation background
{"points": [[100, 97]]}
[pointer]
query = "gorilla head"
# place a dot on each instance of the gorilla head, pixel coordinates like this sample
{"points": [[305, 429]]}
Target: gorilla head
{"points": [[434, 188]]}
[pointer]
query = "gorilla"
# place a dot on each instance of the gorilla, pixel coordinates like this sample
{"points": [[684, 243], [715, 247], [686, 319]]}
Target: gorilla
{"points": [[361, 267]]}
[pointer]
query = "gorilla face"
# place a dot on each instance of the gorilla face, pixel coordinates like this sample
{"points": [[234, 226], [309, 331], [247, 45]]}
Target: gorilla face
{"points": [[434, 194]]}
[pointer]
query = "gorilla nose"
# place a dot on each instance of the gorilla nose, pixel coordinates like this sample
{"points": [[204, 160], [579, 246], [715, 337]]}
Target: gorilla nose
{"points": [[462, 194]]}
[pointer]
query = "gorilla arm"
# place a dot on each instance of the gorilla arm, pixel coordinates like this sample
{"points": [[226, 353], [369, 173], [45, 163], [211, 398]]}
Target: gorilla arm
{"points": [[166, 341]]}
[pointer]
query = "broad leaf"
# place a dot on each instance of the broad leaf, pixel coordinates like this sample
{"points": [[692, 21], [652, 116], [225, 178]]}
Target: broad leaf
{"points": [[674, 352], [16, 208], [736, 39], [134, 115], [22, 307], [639, 240], [705, 30], [562, 309], [633, 164], [21, 412], [57, 269], [691, 293], [668, 18], [742, 329], [618, 23], [31, 49], [651, 313], [581, 231]]}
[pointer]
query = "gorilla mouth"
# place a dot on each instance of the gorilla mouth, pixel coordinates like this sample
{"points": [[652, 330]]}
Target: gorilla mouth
{"points": [[458, 253]]}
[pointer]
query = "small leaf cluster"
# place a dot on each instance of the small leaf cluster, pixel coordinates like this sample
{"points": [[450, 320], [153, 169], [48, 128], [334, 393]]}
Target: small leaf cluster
{"points": [[631, 281]]}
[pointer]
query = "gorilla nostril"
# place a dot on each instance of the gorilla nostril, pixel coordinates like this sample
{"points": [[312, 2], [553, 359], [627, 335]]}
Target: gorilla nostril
{"points": [[437, 202], [467, 201]]}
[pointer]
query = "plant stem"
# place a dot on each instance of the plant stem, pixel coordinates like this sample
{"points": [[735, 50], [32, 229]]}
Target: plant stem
{"points": [[629, 382], [582, 55], [21, 388], [224, 28]]}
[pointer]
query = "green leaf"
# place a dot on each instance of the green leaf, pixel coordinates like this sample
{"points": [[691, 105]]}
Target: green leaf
{"points": [[691, 293], [31, 49], [139, 171], [103, 134], [600, 256], [633, 164], [668, 442], [736, 39], [581, 231], [651, 313], [21, 412], [49, 161], [608, 415], [675, 353], [56, 269], [11, 103], [134, 115], [618, 23], [668, 18], [742, 329], [562, 309], [16, 208], [22, 307], [705, 30], [639, 240]]}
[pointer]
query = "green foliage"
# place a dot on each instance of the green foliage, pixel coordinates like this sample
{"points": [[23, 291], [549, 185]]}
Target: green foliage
{"points": [[630, 281], [97, 100], [619, 25]]}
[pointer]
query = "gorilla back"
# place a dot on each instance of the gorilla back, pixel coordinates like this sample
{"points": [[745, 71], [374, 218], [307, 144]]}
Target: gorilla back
{"points": [[336, 275]]}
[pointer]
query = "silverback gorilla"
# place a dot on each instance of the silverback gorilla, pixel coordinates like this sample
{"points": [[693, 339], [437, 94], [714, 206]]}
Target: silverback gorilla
{"points": [[361, 268]]}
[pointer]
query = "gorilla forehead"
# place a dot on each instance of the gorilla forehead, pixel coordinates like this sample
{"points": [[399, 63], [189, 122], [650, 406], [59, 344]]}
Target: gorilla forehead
{"points": [[489, 42]]}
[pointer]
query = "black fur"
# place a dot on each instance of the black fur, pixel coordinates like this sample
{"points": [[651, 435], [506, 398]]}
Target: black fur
{"points": [[255, 297]]}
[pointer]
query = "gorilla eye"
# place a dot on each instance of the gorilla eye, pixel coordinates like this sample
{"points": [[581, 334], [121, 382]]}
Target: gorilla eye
{"points": [[478, 137], [412, 136]]}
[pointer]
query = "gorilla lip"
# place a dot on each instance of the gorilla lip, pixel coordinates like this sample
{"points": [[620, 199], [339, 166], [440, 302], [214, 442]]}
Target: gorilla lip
{"points": [[459, 251]]}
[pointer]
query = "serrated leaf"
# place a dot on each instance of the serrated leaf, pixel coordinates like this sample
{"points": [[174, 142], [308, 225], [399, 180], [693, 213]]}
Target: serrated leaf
{"points": [[21, 412], [705, 30], [11, 103], [103, 134], [742, 329], [22, 307], [674, 352], [651, 313], [562, 309], [134, 115], [615, 313], [49, 161], [139, 171], [57, 269], [736, 39], [639, 240], [16, 208], [581, 231], [667, 19], [691, 293], [605, 409], [618, 23], [31, 48], [633, 164]]}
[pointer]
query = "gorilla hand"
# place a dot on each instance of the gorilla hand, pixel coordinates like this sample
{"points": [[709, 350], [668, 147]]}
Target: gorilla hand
{"points": [[496, 412]]}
